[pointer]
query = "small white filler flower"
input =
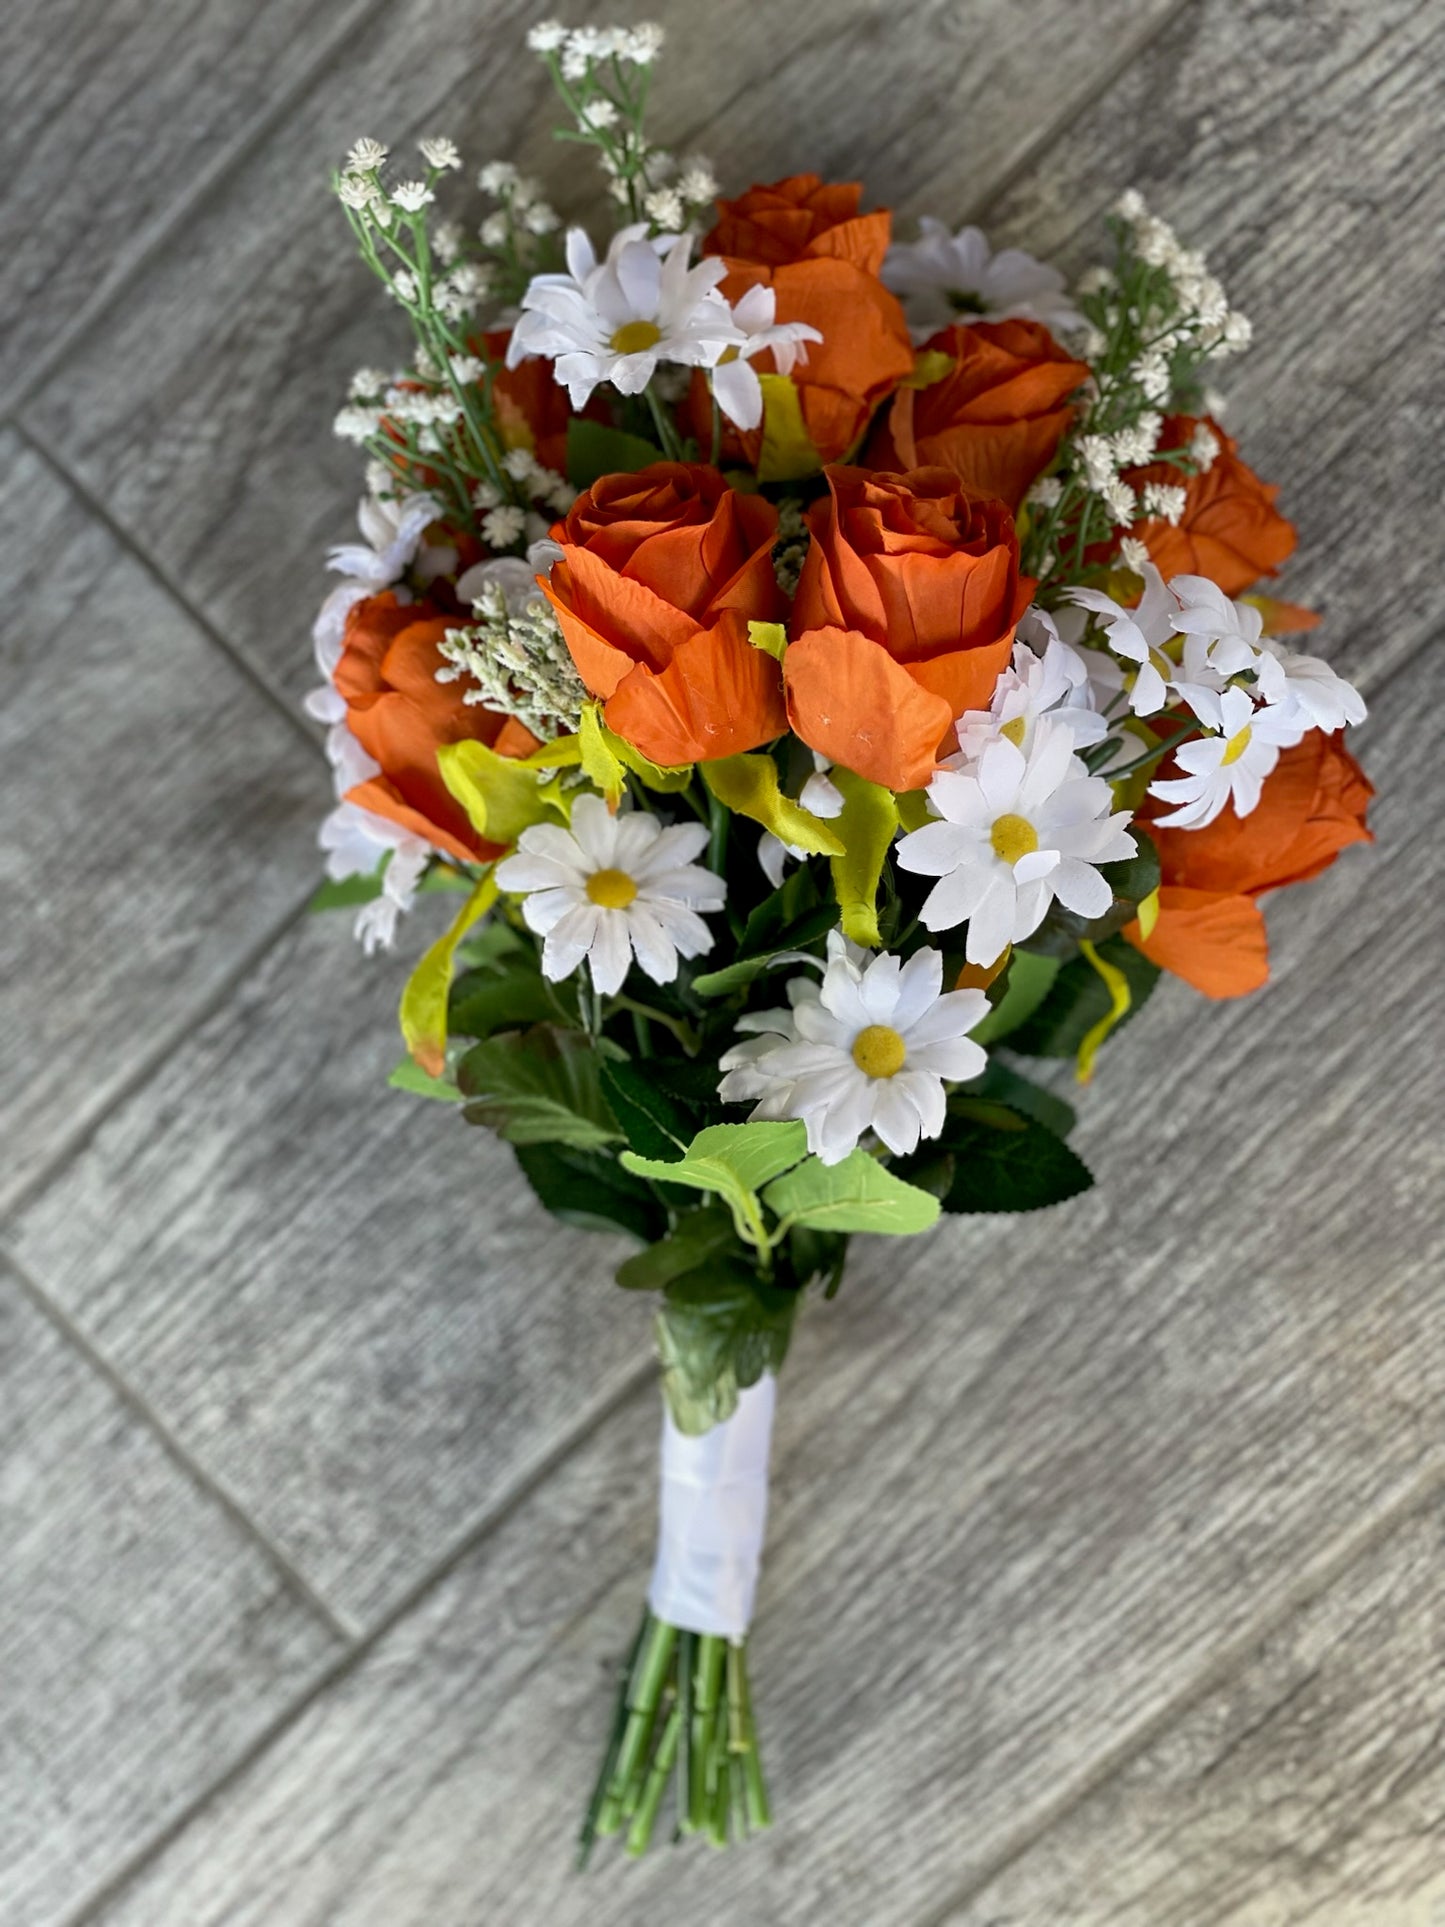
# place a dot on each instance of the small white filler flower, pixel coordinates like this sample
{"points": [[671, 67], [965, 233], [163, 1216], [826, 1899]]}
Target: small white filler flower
{"points": [[615, 320], [943, 277], [868, 1050], [1014, 832], [613, 888]]}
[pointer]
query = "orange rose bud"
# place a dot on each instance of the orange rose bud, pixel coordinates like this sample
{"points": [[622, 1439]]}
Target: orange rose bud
{"points": [[1230, 531], [904, 617], [806, 239], [401, 715], [661, 572], [996, 420], [1209, 929]]}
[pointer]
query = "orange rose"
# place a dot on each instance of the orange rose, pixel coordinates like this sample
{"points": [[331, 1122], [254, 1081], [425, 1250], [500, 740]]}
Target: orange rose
{"points": [[904, 617], [1210, 930], [805, 238], [1230, 531], [661, 572], [996, 419], [401, 715]]}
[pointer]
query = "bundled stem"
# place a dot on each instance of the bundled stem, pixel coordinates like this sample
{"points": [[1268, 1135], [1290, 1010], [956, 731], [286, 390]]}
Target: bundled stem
{"points": [[684, 1713]]}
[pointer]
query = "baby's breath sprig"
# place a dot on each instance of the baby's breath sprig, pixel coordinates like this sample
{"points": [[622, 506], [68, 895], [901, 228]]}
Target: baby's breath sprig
{"points": [[515, 662], [602, 75], [518, 237], [1154, 320], [437, 418]]}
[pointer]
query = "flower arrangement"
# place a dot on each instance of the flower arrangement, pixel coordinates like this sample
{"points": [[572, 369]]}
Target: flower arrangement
{"points": [[830, 671]]}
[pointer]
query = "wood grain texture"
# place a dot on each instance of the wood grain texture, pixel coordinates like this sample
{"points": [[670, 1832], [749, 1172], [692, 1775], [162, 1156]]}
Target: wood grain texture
{"points": [[1308, 1789], [112, 112], [142, 1635], [1032, 1478], [344, 1301], [1289, 143], [201, 410], [160, 813]]}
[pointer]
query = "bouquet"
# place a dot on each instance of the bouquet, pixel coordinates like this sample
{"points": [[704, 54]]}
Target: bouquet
{"points": [[830, 672]]}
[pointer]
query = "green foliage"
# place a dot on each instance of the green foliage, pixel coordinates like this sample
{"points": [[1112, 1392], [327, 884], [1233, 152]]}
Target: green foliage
{"points": [[653, 1124], [591, 1192], [505, 997], [1079, 999], [857, 1194], [992, 1158], [595, 450], [1027, 981], [720, 1328], [1001, 1084], [734, 1162], [698, 1238], [409, 1076], [538, 1086]]}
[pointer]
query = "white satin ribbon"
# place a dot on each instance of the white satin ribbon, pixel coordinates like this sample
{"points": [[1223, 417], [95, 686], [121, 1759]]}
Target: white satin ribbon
{"points": [[712, 1514]]}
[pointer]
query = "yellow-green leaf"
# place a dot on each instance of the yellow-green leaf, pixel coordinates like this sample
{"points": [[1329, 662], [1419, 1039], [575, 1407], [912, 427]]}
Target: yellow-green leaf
{"points": [[931, 366], [769, 636], [424, 1001], [787, 453], [502, 795], [1148, 913], [867, 825], [913, 810], [749, 785], [1117, 985], [606, 758]]}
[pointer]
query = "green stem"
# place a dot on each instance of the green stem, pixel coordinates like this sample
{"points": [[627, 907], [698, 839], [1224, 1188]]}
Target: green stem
{"points": [[666, 435]]}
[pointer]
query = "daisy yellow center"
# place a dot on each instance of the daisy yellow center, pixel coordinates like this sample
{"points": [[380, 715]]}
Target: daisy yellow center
{"points": [[1013, 837], [728, 354], [1236, 746], [611, 889], [879, 1051], [636, 337], [1014, 729]]}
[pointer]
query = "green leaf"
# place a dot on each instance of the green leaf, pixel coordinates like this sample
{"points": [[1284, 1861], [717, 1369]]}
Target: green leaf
{"points": [[1006, 1086], [787, 452], [749, 786], [720, 1328], [538, 1086], [594, 450], [700, 1237], [409, 1076], [1079, 1000], [591, 1192], [1028, 981], [856, 1195], [1022, 1168], [502, 795], [423, 1013], [484, 1001], [347, 893], [653, 1124], [733, 1161]]}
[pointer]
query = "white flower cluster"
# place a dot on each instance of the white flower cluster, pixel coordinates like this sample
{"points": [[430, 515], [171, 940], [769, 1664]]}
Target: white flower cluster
{"points": [[943, 277], [524, 210], [1203, 308], [1187, 642], [514, 654], [580, 47], [503, 522], [616, 320]]}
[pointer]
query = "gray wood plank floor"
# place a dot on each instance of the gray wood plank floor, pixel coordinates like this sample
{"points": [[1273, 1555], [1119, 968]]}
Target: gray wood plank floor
{"points": [[1106, 1545]]}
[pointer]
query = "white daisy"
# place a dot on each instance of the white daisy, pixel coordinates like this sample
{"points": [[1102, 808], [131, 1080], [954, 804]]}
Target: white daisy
{"points": [[866, 1050], [617, 319], [1225, 634], [1320, 698], [356, 841], [613, 888], [1139, 635], [1053, 682], [1229, 765], [1016, 831], [735, 382], [943, 277]]}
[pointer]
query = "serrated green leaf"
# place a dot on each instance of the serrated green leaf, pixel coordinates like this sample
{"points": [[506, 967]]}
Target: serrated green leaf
{"points": [[538, 1086], [507, 999], [1003, 1084], [594, 449], [1021, 1169], [698, 1238], [733, 1161], [653, 1125], [591, 1192], [857, 1194]]}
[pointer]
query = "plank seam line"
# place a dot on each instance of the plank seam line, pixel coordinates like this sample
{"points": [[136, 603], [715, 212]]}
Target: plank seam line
{"points": [[140, 1408], [1314, 1579], [147, 1066], [173, 218], [114, 1884], [239, 659]]}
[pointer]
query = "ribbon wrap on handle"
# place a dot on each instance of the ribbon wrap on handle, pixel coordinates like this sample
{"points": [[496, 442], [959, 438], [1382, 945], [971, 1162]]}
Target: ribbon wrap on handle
{"points": [[712, 1514]]}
